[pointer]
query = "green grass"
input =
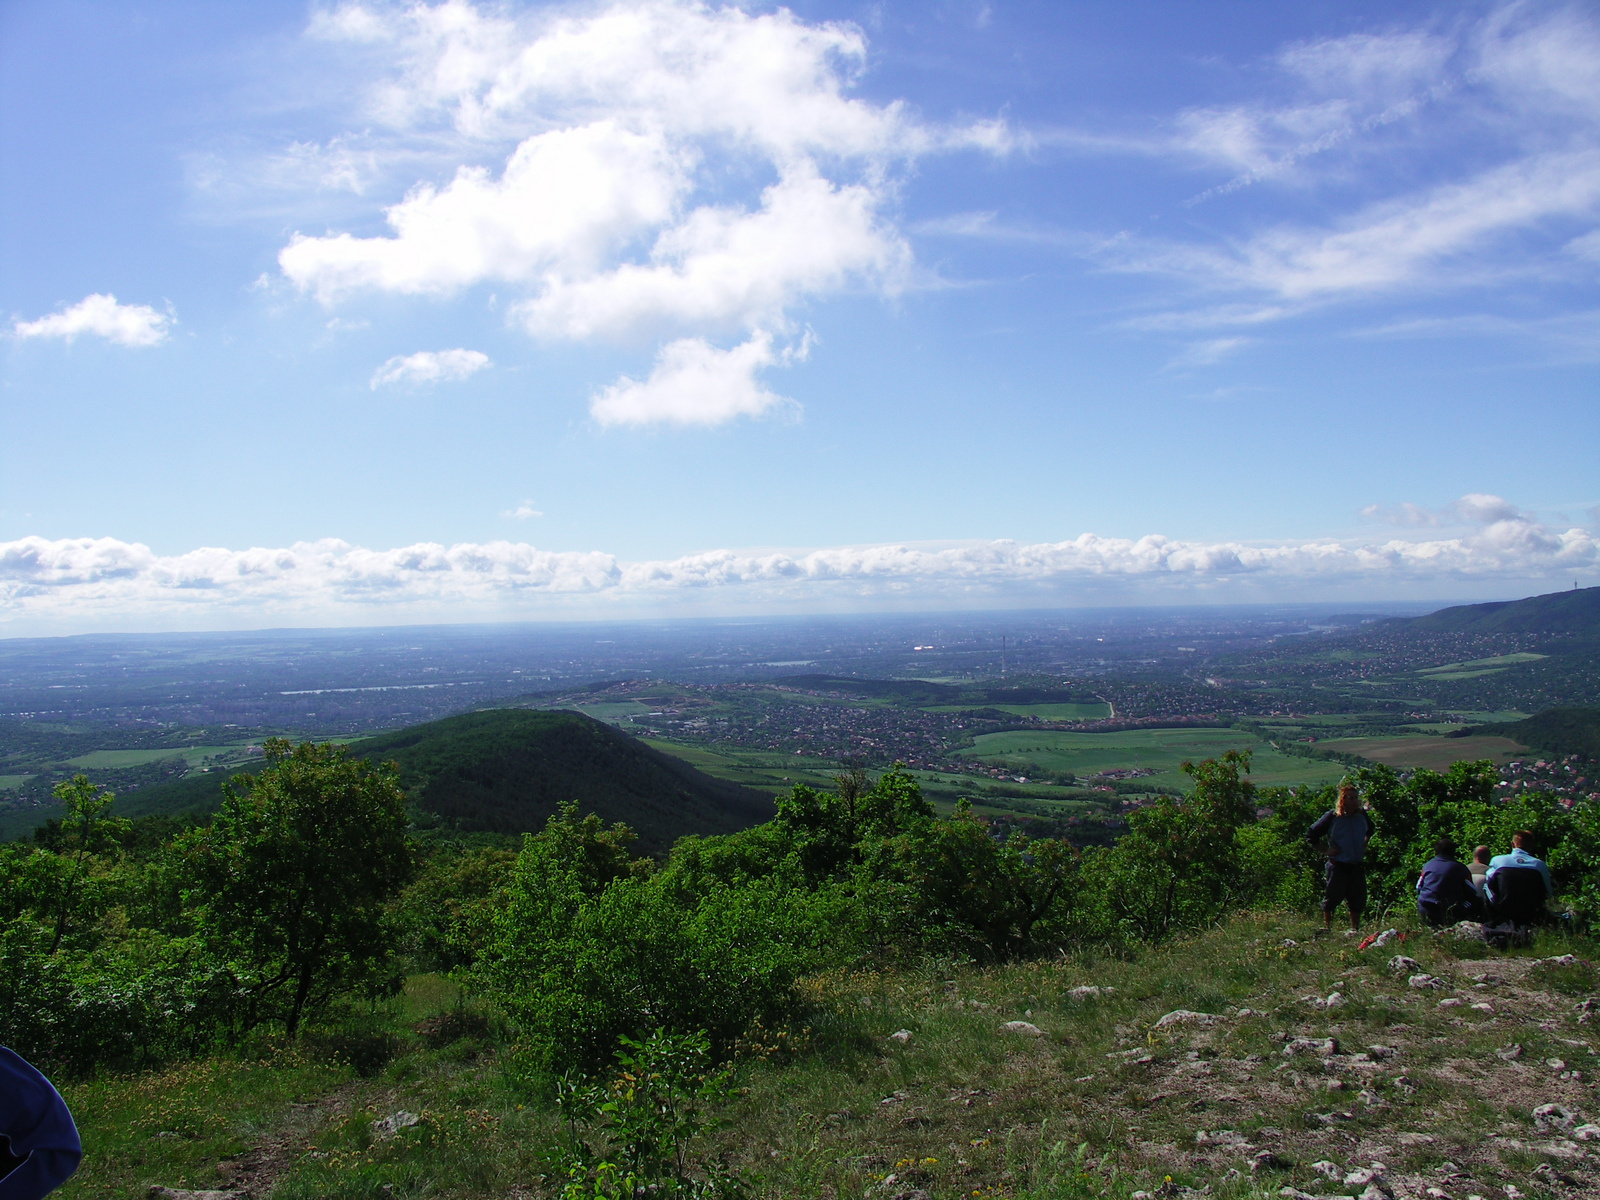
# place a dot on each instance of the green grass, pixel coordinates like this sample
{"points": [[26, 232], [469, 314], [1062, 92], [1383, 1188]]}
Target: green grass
{"points": [[1499, 662], [614, 711], [963, 1108], [1084, 754], [110, 760], [764, 770], [13, 781], [776, 773], [174, 1126]]}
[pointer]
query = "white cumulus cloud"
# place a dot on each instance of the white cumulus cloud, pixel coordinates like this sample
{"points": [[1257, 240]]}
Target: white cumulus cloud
{"points": [[670, 169], [100, 314], [695, 383], [430, 366], [74, 582], [522, 512]]}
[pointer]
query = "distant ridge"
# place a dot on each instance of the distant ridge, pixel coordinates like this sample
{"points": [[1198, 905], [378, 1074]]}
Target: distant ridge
{"points": [[1575, 612], [1556, 731], [507, 770]]}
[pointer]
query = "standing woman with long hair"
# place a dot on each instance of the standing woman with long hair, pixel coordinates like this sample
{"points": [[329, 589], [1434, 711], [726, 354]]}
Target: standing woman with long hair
{"points": [[1344, 829]]}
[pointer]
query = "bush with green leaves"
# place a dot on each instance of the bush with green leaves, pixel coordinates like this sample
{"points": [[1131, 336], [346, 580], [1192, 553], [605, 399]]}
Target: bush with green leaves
{"points": [[293, 878], [588, 951], [634, 1133], [125, 1004], [964, 891], [120, 947], [1178, 866]]}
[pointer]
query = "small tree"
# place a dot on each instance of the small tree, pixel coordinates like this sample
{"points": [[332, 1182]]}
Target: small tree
{"points": [[986, 896], [83, 827], [294, 874], [1177, 864]]}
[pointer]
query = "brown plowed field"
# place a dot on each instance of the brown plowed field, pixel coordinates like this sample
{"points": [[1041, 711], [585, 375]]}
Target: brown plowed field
{"points": [[1436, 753]]}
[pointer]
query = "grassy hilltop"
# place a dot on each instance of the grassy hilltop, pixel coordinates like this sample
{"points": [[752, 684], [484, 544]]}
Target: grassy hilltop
{"points": [[1440, 1084]]}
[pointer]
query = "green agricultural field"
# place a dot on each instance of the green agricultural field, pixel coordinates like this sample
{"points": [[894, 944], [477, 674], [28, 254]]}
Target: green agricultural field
{"points": [[111, 760], [1477, 667], [763, 770], [1499, 662], [614, 711], [1044, 712], [1085, 754], [8, 782], [767, 771]]}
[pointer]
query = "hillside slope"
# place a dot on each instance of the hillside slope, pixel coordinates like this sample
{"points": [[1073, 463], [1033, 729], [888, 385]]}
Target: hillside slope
{"points": [[1254, 1060], [506, 770], [1571, 613]]}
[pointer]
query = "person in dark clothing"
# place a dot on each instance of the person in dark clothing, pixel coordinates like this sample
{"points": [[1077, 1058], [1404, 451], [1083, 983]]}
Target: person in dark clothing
{"points": [[39, 1147], [1445, 893], [1345, 829]]}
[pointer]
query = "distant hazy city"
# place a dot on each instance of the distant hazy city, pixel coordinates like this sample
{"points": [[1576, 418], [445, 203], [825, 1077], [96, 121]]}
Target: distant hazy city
{"points": [[1063, 718]]}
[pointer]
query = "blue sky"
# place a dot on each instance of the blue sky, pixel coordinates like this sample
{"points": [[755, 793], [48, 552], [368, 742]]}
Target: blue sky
{"points": [[372, 313]]}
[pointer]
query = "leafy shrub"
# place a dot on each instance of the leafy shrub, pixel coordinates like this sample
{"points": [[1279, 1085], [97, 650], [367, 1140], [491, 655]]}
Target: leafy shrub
{"points": [[294, 875], [124, 1006], [659, 1100], [1179, 864], [577, 972]]}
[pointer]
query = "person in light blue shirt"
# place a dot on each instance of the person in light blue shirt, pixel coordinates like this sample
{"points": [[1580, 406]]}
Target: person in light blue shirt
{"points": [[1520, 857]]}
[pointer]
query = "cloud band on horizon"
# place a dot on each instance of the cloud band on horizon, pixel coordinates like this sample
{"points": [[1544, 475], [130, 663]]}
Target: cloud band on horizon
{"points": [[73, 582]]}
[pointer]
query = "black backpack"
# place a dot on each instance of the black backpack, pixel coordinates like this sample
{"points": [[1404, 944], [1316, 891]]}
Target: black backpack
{"points": [[1516, 896]]}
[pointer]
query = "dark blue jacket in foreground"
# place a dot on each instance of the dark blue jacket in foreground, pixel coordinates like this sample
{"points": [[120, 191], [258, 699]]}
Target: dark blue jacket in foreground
{"points": [[35, 1119], [1445, 881]]}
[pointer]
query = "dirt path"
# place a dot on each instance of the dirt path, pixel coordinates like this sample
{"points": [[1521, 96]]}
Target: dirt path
{"points": [[253, 1173]]}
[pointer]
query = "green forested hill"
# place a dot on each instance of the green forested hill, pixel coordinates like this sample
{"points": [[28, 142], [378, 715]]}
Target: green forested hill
{"points": [[1575, 612], [506, 770], [1556, 730]]}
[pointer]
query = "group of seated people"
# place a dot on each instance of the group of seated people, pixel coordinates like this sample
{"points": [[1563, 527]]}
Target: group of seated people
{"points": [[1509, 888]]}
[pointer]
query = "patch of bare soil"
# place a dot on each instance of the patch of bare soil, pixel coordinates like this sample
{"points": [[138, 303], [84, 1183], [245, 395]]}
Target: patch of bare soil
{"points": [[252, 1174]]}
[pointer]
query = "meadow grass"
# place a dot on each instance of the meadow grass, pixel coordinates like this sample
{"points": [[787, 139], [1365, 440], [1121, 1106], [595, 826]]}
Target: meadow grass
{"points": [[1101, 1101]]}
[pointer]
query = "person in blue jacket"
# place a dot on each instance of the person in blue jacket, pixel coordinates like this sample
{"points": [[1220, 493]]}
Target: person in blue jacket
{"points": [[1445, 893], [1520, 856], [1346, 828], [39, 1147]]}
